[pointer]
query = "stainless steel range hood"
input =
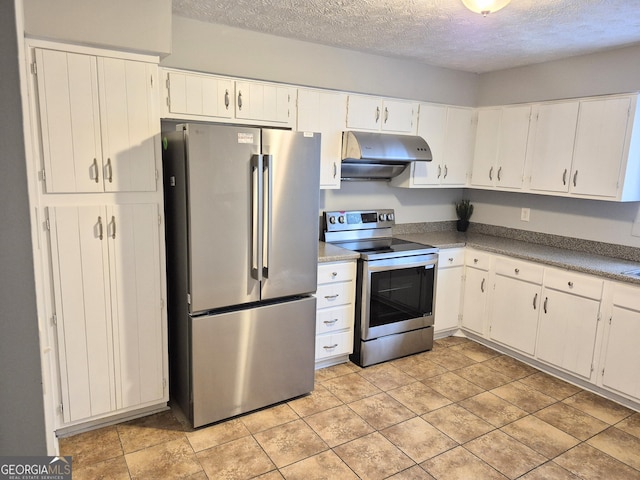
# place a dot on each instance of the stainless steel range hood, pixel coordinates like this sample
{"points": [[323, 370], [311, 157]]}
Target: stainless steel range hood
{"points": [[380, 156]]}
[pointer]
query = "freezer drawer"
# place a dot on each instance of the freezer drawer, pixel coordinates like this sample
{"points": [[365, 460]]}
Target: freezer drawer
{"points": [[248, 359]]}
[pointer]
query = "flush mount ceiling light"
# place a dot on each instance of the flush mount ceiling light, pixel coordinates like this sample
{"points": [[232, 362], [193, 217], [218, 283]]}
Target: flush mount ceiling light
{"points": [[485, 7]]}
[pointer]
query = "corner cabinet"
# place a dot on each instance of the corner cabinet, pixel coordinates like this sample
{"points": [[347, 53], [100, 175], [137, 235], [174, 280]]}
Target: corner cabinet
{"points": [[108, 307], [98, 123], [335, 312]]}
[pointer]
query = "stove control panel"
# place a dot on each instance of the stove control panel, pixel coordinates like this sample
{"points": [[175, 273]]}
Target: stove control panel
{"points": [[337, 221]]}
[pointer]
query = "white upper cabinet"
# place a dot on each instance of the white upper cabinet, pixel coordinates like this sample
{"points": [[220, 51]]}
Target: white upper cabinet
{"points": [[264, 102], [98, 122], [378, 114], [194, 94], [324, 112], [501, 147]]}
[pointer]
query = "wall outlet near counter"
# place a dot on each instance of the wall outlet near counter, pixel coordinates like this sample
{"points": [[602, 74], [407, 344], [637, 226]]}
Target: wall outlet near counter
{"points": [[524, 214]]}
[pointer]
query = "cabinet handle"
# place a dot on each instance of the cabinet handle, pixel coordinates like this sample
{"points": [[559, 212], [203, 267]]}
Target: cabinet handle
{"points": [[499, 172], [546, 301], [330, 322], [475, 260], [451, 259], [482, 285], [109, 171], [226, 99], [491, 173], [113, 227], [377, 114], [334, 274], [330, 347], [335, 169], [240, 100], [386, 114], [575, 178], [535, 302], [439, 171], [517, 270], [564, 177], [446, 171], [95, 169], [100, 231], [570, 284], [331, 297]]}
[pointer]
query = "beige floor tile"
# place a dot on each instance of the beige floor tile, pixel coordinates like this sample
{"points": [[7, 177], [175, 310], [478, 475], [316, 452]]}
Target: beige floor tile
{"points": [[458, 423], [453, 386], [549, 471], [589, 463], [552, 386], [269, 417], [418, 439], [475, 351], [452, 341], [450, 359], [373, 457], [505, 454], [493, 409], [631, 425], [386, 376], [334, 371], [112, 469], [350, 388], [572, 421], [92, 447], [290, 443], [381, 411], [272, 475], [148, 431], [324, 466], [237, 460], [419, 398], [619, 445], [319, 400], [339, 425], [174, 459], [540, 436], [418, 367], [200, 476], [599, 407], [483, 376], [522, 396], [216, 434], [414, 473], [460, 464], [510, 367]]}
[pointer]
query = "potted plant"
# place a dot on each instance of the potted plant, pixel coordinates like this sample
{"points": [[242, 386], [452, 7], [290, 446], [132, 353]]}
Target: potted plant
{"points": [[464, 210]]}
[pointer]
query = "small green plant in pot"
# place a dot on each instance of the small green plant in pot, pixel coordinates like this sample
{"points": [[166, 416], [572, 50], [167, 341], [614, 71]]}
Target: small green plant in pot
{"points": [[464, 210]]}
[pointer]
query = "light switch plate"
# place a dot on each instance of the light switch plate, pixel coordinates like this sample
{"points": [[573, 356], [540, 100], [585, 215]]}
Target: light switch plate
{"points": [[524, 214], [635, 230]]}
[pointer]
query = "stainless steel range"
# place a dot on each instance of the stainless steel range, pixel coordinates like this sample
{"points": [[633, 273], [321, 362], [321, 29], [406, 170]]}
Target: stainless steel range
{"points": [[395, 287]]}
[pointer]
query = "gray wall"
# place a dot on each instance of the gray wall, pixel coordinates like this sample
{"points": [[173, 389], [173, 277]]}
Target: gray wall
{"points": [[22, 427]]}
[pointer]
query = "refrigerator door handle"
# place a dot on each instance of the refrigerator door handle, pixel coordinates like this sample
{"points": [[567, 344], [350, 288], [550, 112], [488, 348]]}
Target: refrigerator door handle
{"points": [[268, 206], [257, 216]]}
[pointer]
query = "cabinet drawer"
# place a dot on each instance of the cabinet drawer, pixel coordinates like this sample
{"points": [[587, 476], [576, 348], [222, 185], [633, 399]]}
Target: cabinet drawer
{"points": [[627, 297], [336, 272], [525, 271], [334, 294], [574, 283], [334, 318], [477, 259], [452, 257], [334, 344]]}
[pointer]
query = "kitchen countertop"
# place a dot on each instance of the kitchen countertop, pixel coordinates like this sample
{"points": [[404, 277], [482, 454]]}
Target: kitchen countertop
{"points": [[589, 263]]}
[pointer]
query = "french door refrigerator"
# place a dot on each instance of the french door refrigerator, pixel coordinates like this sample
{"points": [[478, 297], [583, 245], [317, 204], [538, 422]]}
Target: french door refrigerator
{"points": [[242, 209]]}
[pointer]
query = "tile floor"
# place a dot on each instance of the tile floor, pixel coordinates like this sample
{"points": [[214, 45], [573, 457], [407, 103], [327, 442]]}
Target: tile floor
{"points": [[461, 411]]}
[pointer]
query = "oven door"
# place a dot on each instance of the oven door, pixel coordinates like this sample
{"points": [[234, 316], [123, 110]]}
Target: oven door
{"points": [[397, 295]]}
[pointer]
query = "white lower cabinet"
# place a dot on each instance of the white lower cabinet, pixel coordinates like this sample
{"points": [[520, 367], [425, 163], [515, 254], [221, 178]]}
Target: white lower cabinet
{"points": [[476, 291], [108, 308], [449, 289], [335, 312], [515, 304]]}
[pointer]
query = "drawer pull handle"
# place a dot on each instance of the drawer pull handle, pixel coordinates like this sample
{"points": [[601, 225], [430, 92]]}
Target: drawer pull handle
{"points": [[570, 284], [334, 274], [451, 259], [475, 260], [517, 270], [330, 347], [330, 322], [331, 297]]}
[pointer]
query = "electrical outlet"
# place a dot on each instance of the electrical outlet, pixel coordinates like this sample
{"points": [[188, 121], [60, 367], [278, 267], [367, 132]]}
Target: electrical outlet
{"points": [[524, 214]]}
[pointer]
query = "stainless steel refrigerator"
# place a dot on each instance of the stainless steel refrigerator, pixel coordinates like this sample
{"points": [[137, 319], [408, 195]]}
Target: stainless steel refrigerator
{"points": [[241, 209]]}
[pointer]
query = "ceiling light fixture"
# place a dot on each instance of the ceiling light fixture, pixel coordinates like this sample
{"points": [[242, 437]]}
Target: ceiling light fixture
{"points": [[485, 7]]}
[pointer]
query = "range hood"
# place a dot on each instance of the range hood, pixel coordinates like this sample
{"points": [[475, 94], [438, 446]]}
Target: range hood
{"points": [[380, 156]]}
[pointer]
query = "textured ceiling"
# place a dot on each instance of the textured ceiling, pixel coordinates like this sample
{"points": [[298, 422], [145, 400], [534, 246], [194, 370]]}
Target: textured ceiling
{"points": [[437, 32]]}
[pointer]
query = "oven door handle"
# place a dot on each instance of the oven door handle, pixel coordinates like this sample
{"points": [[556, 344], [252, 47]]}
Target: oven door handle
{"points": [[398, 264]]}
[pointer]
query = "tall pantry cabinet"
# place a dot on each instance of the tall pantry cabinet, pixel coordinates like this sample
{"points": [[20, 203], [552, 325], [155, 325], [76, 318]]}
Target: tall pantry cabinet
{"points": [[97, 161]]}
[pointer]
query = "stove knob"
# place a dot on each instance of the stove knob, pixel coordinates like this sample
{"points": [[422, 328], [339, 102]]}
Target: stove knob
{"points": [[382, 217], [332, 220], [390, 216], [341, 218]]}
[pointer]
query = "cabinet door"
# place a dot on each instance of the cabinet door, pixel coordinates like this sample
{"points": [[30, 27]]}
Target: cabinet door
{"points": [[476, 290], [567, 331], [130, 129], [399, 116], [485, 155], [599, 146], [622, 354], [133, 238], [552, 150], [69, 121], [431, 126], [512, 146], [514, 316], [448, 298], [264, 102], [81, 290], [458, 146], [364, 112], [204, 95]]}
